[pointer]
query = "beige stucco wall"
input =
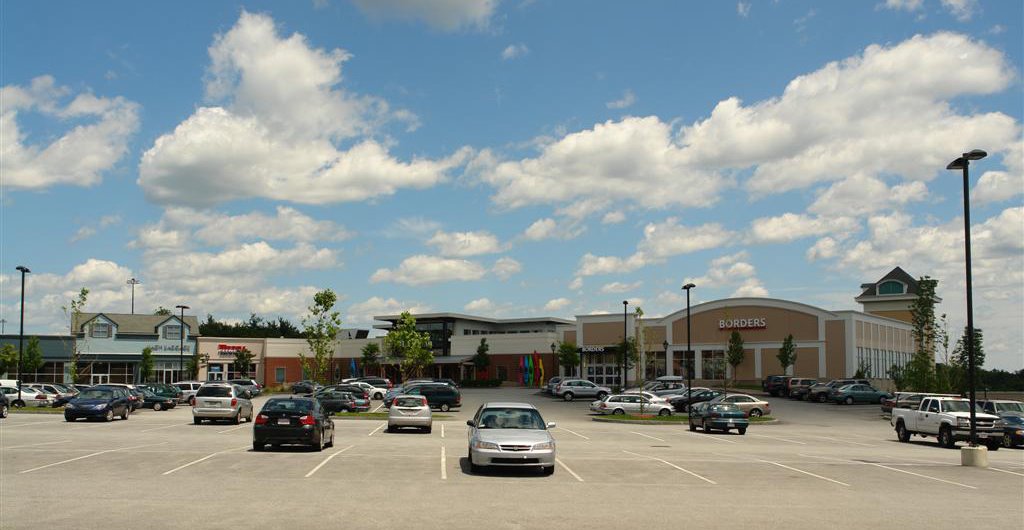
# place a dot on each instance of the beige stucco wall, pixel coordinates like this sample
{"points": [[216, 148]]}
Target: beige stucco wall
{"points": [[602, 333], [835, 349], [654, 337], [780, 322], [570, 337], [745, 370], [806, 362], [903, 315], [770, 363]]}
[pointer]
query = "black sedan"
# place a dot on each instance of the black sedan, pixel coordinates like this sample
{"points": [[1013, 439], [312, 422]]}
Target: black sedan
{"points": [[152, 400], [99, 403], [293, 421], [305, 387], [679, 402], [338, 401]]}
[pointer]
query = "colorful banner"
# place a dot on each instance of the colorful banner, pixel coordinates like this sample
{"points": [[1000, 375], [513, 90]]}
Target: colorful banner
{"points": [[529, 370], [352, 368], [522, 371], [541, 380]]}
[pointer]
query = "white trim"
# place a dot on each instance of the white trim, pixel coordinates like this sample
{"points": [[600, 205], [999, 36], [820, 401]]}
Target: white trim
{"points": [[758, 363], [821, 362]]}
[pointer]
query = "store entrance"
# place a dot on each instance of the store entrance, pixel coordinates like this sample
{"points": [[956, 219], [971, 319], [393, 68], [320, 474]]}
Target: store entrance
{"points": [[99, 379]]}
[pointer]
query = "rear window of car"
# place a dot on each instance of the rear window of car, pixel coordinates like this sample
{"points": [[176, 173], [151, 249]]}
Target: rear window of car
{"points": [[288, 405], [96, 394], [214, 391], [409, 402]]}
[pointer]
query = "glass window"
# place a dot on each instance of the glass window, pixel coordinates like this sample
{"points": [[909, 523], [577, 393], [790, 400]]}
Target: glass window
{"points": [[172, 332], [101, 330], [890, 287]]}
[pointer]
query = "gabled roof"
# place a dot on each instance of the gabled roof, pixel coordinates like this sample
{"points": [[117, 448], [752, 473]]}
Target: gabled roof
{"points": [[128, 324], [898, 274]]}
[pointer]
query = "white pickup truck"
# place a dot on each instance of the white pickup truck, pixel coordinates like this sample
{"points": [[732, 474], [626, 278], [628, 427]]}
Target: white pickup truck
{"points": [[949, 420]]}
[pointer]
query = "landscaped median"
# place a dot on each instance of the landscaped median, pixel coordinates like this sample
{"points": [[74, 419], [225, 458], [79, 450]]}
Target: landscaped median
{"points": [[36, 410], [650, 419], [376, 416]]}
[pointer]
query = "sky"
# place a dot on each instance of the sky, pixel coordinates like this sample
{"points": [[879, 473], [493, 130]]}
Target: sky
{"points": [[508, 158]]}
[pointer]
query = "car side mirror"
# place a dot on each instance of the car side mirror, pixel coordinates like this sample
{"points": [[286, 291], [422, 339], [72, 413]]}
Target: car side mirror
{"points": [[471, 423], [551, 425]]}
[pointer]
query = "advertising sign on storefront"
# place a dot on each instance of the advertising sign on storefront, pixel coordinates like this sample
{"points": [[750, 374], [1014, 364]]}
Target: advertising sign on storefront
{"points": [[743, 323]]}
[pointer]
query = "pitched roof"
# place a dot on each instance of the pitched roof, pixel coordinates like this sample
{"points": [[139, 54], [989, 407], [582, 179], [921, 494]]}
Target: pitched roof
{"points": [[898, 274], [137, 324]]}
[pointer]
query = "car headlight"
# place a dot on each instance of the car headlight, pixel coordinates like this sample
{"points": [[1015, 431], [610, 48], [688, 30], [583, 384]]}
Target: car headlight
{"points": [[70, 405], [963, 422], [544, 446], [485, 445], [101, 406]]}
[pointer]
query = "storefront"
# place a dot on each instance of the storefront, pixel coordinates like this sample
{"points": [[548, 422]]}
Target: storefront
{"points": [[110, 347], [220, 357]]}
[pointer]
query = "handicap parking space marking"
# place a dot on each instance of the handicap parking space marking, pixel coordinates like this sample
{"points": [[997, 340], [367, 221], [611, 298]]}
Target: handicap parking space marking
{"points": [[328, 459], [571, 472], [687, 471], [646, 436], [778, 438], [573, 432], [379, 427], [36, 445], [90, 455], [234, 428], [920, 475], [207, 457]]}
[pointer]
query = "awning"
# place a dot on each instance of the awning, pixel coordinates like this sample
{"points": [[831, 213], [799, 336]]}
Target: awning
{"points": [[453, 359]]}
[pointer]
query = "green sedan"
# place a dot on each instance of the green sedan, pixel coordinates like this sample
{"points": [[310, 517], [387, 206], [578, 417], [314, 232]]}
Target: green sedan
{"points": [[721, 416], [851, 394]]}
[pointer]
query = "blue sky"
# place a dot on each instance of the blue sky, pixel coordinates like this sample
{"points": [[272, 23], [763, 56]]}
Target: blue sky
{"points": [[507, 158]]}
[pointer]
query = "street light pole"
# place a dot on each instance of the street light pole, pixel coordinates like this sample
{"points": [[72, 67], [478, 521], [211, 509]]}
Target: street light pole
{"points": [[963, 163], [625, 343], [689, 351], [3, 325], [21, 331], [181, 341], [133, 282], [554, 361]]}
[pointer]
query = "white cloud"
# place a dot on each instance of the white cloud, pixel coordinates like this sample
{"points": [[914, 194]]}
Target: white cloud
{"points": [[904, 5], [411, 227], [557, 304], [732, 270], [995, 186], [506, 267], [750, 287], [423, 270], [363, 312], [627, 100], [619, 287], [548, 228], [963, 10], [743, 9], [97, 138], [824, 248], [661, 241], [791, 227], [288, 225], [278, 133], [514, 51], [576, 283], [613, 217], [801, 22], [861, 194], [463, 244], [87, 231], [444, 15], [480, 305]]}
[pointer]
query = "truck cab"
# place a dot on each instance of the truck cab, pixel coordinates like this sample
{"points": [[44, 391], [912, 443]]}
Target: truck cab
{"points": [[949, 420]]}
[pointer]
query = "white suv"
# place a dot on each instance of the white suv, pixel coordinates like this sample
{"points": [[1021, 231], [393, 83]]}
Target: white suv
{"points": [[570, 389], [222, 401]]}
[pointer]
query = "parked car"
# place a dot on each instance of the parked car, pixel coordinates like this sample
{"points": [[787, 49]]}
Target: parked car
{"points": [[99, 402], [631, 404], [570, 389], [697, 395], [51, 389], [821, 391], [378, 382], [851, 394], [165, 390], [222, 401], [157, 402], [135, 397], [304, 387], [549, 388], [1012, 414], [949, 421], [510, 434], [5, 406], [410, 411], [750, 405], [356, 390], [253, 386], [721, 416], [774, 384], [29, 397], [292, 420], [188, 391], [372, 391], [797, 387], [439, 396], [907, 400], [409, 388], [340, 401]]}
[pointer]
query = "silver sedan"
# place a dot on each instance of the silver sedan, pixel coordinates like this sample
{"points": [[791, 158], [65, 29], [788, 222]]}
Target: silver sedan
{"points": [[511, 435]]}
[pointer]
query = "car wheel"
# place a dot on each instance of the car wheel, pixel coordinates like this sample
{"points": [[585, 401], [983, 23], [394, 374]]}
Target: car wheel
{"points": [[18, 404], [946, 437], [848, 400], [704, 425], [238, 418], [568, 396], [822, 398], [378, 396], [742, 430], [445, 407], [692, 426], [994, 445], [664, 412], [330, 443], [902, 434], [1007, 439], [473, 467], [124, 415], [618, 412], [157, 407], [69, 419], [601, 396], [390, 428], [319, 445], [755, 413], [4, 411], [196, 421], [257, 446], [109, 416]]}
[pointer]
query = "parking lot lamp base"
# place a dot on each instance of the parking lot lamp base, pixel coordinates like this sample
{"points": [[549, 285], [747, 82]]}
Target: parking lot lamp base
{"points": [[976, 456]]}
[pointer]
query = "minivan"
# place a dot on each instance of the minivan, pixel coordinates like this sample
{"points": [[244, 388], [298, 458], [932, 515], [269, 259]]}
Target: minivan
{"points": [[439, 396]]}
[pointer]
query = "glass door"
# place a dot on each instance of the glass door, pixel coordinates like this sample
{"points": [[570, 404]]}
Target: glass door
{"points": [[100, 379]]}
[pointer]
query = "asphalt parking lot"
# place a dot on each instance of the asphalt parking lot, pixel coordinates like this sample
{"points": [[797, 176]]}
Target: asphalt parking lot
{"points": [[837, 466]]}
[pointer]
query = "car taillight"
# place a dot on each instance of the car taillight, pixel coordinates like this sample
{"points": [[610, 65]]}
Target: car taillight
{"points": [[423, 401], [261, 419], [307, 420], [234, 402]]}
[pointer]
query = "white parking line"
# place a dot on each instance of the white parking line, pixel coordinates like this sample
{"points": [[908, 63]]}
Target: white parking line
{"points": [[165, 427], [6, 426], [378, 407], [843, 441], [444, 465], [442, 430], [576, 433], [379, 427], [646, 436], [808, 473], [922, 476], [90, 455], [36, 445], [780, 439], [708, 437], [207, 457], [571, 472], [687, 471], [328, 459], [1005, 471], [233, 428]]}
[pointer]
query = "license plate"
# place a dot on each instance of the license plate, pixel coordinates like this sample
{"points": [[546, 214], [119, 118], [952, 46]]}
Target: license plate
{"points": [[284, 421], [730, 422], [213, 403]]}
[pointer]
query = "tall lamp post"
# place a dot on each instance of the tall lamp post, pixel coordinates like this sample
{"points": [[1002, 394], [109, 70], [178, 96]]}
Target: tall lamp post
{"points": [[21, 331], [962, 163], [133, 282], [689, 351], [625, 343], [3, 325], [554, 362], [181, 341]]}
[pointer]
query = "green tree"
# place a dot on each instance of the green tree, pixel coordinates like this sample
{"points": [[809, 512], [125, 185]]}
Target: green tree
{"points": [[787, 353], [146, 365], [371, 356], [162, 311], [960, 362], [920, 371], [243, 360], [8, 359], [194, 363], [896, 375], [568, 356], [410, 346], [481, 360], [320, 327], [75, 314], [626, 357], [32, 360], [734, 354], [863, 370]]}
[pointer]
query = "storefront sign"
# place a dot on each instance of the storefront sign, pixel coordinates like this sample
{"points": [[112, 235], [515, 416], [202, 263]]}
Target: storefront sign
{"points": [[227, 350], [172, 348], [743, 323], [592, 349]]}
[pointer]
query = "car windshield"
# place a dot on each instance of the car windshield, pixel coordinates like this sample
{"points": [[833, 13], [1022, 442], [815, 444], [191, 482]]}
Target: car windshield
{"points": [[511, 418], [956, 406], [409, 402], [94, 393], [288, 405], [214, 391], [1010, 407]]}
